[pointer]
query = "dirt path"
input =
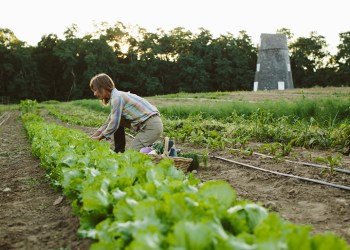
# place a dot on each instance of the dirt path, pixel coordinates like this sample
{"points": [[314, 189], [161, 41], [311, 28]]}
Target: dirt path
{"points": [[32, 214], [30, 220]]}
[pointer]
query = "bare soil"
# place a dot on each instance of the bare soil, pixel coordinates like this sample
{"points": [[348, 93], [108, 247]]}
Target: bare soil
{"points": [[34, 216]]}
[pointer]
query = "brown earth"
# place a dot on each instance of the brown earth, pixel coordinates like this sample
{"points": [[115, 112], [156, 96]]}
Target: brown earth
{"points": [[34, 217]]}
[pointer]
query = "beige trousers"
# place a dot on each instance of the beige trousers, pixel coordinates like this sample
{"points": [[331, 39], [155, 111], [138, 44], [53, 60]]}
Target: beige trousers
{"points": [[151, 131]]}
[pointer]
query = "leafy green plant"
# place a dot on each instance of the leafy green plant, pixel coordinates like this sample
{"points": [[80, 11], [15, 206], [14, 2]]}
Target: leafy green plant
{"points": [[331, 161], [27, 106], [341, 138], [194, 156], [286, 149]]}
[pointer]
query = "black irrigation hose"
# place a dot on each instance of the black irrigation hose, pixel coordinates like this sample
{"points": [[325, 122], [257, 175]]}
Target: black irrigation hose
{"points": [[282, 174], [305, 163]]}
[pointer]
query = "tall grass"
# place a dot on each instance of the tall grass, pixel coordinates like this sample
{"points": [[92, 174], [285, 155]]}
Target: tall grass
{"points": [[206, 95], [322, 110]]}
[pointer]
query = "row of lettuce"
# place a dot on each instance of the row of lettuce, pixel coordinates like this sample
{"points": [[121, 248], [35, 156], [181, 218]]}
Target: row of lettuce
{"points": [[125, 201]]}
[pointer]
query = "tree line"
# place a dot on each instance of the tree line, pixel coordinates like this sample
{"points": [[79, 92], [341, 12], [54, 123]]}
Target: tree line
{"points": [[154, 63]]}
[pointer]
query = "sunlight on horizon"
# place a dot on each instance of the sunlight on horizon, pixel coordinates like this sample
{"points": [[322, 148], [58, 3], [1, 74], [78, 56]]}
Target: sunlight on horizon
{"points": [[37, 18]]}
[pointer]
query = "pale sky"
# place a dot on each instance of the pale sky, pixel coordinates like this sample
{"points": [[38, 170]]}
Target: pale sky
{"points": [[31, 19]]}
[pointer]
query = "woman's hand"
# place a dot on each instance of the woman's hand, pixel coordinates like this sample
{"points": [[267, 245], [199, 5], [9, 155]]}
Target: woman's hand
{"points": [[97, 135]]}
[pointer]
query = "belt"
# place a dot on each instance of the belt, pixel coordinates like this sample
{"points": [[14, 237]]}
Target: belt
{"points": [[156, 114], [142, 124]]}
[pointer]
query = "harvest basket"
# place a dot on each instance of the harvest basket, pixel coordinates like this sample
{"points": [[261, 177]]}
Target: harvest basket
{"points": [[179, 162]]}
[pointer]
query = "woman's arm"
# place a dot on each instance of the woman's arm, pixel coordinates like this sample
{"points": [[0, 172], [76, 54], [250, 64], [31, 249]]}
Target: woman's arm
{"points": [[117, 104], [98, 132]]}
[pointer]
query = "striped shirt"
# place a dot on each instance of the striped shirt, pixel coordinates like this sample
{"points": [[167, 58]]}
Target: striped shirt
{"points": [[131, 107]]}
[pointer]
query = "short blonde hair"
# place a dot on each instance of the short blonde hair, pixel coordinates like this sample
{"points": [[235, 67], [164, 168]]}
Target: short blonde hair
{"points": [[102, 82]]}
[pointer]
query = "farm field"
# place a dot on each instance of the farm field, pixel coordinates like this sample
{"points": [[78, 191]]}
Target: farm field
{"points": [[252, 97], [34, 216]]}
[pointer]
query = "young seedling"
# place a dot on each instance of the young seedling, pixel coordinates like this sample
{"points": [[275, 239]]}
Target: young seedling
{"points": [[331, 161], [286, 149]]}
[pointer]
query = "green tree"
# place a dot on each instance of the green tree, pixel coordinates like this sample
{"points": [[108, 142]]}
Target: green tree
{"points": [[167, 73], [49, 67], [194, 64], [343, 59], [309, 56], [287, 32], [68, 54], [18, 72], [234, 61]]}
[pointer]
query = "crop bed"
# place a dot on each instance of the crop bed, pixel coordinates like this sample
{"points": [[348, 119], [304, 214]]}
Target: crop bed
{"points": [[35, 216]]}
